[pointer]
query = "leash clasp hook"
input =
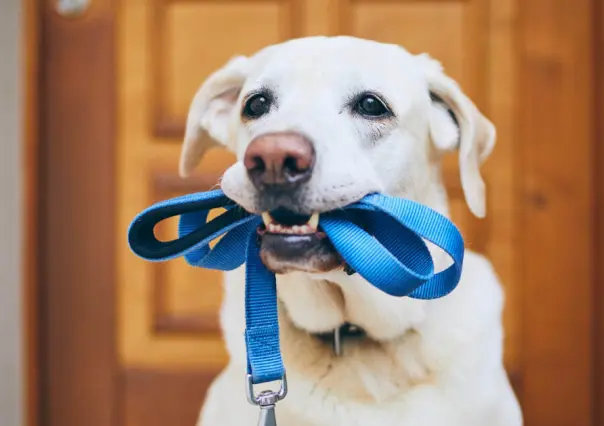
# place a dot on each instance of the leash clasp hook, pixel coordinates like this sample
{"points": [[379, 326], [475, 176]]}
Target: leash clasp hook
{"points": [[266, 400]]}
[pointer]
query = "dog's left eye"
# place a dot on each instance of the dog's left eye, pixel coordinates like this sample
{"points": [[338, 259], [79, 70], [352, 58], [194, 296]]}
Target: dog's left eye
{"points": [[371, 106]]}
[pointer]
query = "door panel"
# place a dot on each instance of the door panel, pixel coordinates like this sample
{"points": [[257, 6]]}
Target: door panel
{"points": [[190, 39]]}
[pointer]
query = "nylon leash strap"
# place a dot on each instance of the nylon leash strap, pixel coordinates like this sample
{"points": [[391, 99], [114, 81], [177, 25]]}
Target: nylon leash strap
{"points": [[379, 237]]}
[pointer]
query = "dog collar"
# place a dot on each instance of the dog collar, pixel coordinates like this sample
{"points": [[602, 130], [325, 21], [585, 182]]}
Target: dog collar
{"points": [[337, 337], [379, 237]]}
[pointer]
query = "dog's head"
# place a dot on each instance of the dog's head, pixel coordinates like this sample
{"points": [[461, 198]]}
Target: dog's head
{"points": [[318, 123]]}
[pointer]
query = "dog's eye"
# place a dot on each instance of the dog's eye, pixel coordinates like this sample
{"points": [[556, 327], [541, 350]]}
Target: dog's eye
{"points": [[371, 106], [257, 105]]}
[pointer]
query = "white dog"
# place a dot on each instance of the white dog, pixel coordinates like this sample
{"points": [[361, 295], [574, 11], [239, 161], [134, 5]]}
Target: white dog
{"points": [[317, 123]]}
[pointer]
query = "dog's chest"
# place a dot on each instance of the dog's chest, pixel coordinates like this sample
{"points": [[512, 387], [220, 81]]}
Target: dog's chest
{"points": [[366, 372]]}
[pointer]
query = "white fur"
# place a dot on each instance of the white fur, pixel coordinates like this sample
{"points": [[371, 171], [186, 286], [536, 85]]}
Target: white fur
{"points": [[428, 363]]}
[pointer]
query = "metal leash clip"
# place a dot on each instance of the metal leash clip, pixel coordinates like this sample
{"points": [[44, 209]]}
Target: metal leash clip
{"points": [[266, 400]]}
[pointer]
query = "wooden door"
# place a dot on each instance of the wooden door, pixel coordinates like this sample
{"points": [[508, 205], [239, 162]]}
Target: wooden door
{"points": [[161, 334], [167, 315]]}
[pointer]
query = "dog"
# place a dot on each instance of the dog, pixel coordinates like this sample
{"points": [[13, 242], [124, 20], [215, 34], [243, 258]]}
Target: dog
{"points": [[318, 123]]}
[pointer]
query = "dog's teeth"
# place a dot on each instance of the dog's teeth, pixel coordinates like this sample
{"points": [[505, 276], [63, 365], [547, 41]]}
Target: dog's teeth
{"points": [[274, 227], [266, 217], [314, 221]]}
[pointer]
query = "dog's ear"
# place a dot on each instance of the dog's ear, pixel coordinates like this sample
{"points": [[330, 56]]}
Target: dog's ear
{"points": [[208, 119], [455, 122]]}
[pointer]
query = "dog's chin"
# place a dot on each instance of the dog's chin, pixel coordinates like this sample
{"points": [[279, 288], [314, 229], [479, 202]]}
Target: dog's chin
{"points": [[313, 253]]}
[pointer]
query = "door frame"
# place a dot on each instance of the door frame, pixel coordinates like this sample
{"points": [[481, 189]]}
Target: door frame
{"points": [[69, 320], [598, 167], [68, 346], [30, 47]]}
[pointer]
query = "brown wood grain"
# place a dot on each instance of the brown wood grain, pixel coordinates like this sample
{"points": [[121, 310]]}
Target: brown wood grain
{"points": [[165, 126], [598, 167], [166, 185], [76, 185], [554, 148], [31, 49], [161, 398]]}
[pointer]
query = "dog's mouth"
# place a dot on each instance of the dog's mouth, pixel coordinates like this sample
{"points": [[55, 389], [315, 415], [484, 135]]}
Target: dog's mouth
{"points": [[294, 242]]}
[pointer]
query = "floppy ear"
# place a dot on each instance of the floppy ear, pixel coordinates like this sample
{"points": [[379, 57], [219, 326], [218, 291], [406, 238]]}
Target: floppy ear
{"points": [[207, 122], [455, 122]]}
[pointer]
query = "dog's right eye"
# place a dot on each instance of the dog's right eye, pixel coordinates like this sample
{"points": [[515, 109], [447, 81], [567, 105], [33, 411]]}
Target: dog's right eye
{"points": [[257, 105]]}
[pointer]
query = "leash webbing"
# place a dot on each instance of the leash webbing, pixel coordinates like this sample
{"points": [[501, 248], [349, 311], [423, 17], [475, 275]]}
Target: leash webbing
{"points": [[380, 237]]}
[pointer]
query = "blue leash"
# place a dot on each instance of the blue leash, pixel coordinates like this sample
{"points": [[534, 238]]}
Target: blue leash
{"points": [[380, 237]]}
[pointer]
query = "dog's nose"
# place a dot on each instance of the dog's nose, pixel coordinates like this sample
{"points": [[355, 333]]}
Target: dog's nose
{"points": [[279, 160]]}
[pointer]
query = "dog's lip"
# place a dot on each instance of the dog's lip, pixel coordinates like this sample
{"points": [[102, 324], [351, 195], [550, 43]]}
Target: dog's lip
{"points": [[293, 247], [303, 252]]}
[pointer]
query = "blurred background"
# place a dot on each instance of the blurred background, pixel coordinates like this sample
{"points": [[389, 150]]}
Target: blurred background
{"points": [[93, 100]]}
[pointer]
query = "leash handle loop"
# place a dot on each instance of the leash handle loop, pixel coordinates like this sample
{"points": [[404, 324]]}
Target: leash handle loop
{"points": [[380, 237]]}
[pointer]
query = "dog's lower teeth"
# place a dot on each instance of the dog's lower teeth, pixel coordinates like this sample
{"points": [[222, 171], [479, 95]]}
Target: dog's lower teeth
{"points": [[277, 228], [295, 229]]}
